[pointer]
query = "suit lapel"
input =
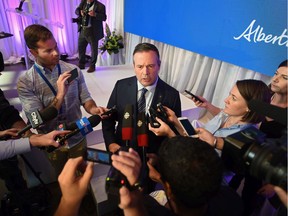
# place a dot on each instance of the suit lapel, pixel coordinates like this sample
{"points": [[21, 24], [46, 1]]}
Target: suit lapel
{"points": [[159, 93]]}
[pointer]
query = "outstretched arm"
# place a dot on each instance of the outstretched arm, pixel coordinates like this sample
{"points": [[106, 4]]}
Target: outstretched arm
{"points": [[207, 105]]}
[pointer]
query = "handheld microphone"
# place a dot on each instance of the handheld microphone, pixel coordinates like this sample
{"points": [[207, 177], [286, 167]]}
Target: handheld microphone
{"points": [[110, 111], [142, 140], [82, 125], [142, 137], [127, 124], [37, 118], [277, 113]]}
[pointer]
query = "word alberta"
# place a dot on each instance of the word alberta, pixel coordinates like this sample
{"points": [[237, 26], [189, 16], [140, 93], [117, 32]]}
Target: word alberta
{"points": [[257, 35]]}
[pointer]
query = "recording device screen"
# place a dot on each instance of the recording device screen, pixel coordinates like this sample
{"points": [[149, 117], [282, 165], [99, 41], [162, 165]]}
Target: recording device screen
{"points": [[187, 126], [74, 75], [98, 156]]}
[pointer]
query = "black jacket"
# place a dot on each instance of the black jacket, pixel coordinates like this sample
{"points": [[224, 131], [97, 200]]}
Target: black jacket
{"points": [[125, 92]]}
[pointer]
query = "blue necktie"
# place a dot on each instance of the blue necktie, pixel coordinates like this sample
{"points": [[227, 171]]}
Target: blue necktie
{"points": [[142, 101]]}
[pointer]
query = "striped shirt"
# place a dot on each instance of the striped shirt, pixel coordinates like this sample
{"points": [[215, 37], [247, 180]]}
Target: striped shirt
{"points": [[35, 94]]}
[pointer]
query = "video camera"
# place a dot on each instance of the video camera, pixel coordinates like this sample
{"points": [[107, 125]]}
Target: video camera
{"points": [[80, 19], [77, 20], [249, 150]]}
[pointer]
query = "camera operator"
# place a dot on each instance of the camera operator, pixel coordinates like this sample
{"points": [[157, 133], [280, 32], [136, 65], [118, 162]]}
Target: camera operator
{"points": [[273, 130], [91, 13], [255, 191]]}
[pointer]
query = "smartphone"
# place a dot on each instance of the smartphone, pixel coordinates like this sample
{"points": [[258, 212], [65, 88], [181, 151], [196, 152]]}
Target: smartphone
{"points": [[196, 97], [187, 126], [98, 156], [74, 75]]}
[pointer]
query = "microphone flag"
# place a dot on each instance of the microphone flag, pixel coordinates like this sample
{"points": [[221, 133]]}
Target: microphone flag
{"points": [[142, 137], [37, 118], [84, 126], [127, 123]]}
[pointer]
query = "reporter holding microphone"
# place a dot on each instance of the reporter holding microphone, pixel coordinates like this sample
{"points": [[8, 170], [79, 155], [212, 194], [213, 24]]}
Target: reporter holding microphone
{"points": [[49, 83], [16, 145], [11, 144]]}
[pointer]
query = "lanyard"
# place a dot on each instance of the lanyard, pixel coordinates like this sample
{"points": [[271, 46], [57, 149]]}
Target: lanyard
{"points": [[46, 80]]}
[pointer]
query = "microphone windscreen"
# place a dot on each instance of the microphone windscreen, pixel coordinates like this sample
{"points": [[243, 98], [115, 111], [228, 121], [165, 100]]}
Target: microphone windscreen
{"points": [[86, 125], [71, 126], [49, 113], [94, 120], [279, 114], [37, 118], [127, 123], [142, 137]]}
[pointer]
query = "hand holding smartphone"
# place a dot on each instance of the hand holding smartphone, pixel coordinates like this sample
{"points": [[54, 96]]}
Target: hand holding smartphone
{"points": [[98, 156], [187, 126], [194, 96], [74, 75]]}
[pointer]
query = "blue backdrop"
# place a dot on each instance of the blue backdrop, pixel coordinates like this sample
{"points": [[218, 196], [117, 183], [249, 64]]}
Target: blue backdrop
{"points": [[251, 34]]}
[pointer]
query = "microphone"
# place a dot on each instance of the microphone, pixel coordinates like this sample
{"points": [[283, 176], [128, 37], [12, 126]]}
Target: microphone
{"points": [[142, 137], [127, 124], [277, 113], [82, 125], [142, 140], [37, 118], [110, 111]]}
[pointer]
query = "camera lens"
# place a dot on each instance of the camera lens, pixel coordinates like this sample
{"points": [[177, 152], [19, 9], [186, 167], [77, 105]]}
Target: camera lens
{"points": [[268, 162]]}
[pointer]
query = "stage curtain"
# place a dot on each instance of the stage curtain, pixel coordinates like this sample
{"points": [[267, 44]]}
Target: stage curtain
{"points": [[52, 13], [182, 69]]}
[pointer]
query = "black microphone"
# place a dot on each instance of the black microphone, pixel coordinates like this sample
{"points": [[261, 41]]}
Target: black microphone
{"points": [[37, 118], [83, 125], [279, 114], [142, 141], [127, 124], [142, 137]]}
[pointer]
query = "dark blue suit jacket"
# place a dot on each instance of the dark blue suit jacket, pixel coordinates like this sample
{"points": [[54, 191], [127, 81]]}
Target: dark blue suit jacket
{"points": [[125, 92]]}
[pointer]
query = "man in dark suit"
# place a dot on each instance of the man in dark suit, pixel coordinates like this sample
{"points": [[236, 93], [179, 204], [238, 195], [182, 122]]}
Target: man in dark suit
{"points": [[92, 14], [146, 63]]}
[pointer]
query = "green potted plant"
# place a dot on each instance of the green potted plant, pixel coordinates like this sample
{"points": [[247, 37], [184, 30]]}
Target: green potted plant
{"points": [[112, 42]]}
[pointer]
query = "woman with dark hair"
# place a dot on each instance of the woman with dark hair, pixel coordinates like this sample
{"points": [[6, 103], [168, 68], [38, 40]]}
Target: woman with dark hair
{"points": [[235, 117], [255, 191], [278, 86]]}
